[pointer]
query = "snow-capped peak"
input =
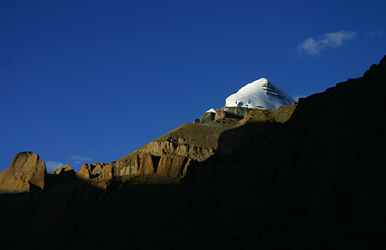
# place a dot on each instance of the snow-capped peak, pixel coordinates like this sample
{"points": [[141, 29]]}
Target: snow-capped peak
{"points": [[260, 94]]}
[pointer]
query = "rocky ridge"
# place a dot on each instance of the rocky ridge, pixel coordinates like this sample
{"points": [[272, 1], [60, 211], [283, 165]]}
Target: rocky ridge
{"points": [[168, 156], [171, 154], [27, 172]]}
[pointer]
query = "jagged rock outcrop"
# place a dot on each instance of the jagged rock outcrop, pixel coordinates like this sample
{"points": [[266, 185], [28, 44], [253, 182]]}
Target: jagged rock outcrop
{"points": [[66, 168], [238, 111], [94, 171], [167, 165], [281, 115], [62, 175], [205, 118], [84, 172], [226, 115], [27, 172]]}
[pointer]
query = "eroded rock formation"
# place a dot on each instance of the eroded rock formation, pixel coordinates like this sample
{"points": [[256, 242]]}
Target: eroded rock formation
{"points": [[66, 168], [27, 172], [94, 171], [171, 154]]}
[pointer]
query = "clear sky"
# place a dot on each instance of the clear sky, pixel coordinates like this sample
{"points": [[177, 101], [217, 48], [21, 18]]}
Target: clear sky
{"points": [[91, 81]]}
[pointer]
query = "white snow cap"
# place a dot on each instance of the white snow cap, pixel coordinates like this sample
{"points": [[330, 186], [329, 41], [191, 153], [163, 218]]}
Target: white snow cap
{"points": [[212, 110], [260, 94]]}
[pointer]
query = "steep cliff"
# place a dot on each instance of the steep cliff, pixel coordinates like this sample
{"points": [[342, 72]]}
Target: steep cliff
{"points": [[27, 172]]}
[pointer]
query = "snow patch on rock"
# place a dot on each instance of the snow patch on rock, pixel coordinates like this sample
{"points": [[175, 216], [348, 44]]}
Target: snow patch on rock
{"points": [[212, 110]]}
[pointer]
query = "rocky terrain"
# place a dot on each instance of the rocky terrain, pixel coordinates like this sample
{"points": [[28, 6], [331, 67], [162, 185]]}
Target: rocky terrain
{"points": [[306, 176], [171, 154]]}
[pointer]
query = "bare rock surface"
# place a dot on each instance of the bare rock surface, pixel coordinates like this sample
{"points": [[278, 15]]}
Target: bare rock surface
{"points": [[94, 171], [26, 173], [227, 115], [170, 154], [281, 115]]}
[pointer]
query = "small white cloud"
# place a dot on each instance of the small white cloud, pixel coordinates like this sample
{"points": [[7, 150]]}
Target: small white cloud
{"points": [[310, 46], [328, 40], [52, 165], [80, 159]]}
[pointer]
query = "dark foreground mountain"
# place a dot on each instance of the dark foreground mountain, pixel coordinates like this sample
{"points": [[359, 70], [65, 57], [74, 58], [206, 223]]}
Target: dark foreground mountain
{"points": [[317, 181]]}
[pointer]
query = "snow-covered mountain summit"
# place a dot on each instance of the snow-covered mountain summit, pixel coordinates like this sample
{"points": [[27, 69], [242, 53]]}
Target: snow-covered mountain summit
{"points": [[260, 94]]}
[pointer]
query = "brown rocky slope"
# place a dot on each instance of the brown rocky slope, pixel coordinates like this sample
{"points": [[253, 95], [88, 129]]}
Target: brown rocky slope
{"points": [[314, 182], [169, 155]]}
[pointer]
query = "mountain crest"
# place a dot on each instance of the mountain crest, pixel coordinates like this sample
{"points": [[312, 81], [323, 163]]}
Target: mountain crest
{"points": [[260, 94]]}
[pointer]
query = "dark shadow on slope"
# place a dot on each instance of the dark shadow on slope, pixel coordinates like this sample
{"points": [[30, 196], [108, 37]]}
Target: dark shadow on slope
{"points": [[63, 177], [76, 211]]}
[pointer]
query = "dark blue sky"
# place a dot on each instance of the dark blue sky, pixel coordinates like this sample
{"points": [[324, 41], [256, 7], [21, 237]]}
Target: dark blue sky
{"points": [[91, 81]]}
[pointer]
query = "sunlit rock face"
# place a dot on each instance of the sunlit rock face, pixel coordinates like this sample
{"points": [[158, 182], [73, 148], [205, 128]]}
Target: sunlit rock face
{"points": [[27, 172]]}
